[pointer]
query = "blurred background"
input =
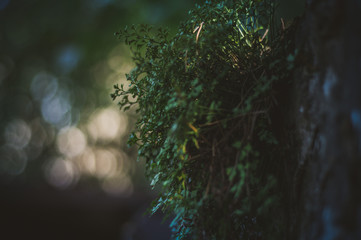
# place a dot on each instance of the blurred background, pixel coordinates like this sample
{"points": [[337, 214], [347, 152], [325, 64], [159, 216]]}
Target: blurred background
{"points": [[66, 171]]}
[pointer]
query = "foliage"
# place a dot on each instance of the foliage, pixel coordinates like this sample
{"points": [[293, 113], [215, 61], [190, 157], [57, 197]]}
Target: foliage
{"points": [[204, 98]]}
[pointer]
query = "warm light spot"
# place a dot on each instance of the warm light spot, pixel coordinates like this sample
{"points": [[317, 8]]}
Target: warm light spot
{"points": [[106, 163], [61, 173], [119, 185], [87, 161], [17, 134], [103, 162], [71, 142], [115, 62], [119, 63], [107, 125], [117, 78], [118, 60], [125, 165]]}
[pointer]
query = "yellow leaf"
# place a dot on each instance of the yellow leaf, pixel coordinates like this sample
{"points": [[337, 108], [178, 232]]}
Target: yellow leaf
{"points": [[184, 148], [195, 143], [193, 128]]}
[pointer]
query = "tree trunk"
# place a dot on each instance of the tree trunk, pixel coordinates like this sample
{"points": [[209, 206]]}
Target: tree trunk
{"points": [[326, 116]]}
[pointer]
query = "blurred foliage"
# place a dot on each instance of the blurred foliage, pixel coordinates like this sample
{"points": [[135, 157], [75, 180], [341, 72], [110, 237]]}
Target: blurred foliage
{"points": [[58, 61], [204, 99]]}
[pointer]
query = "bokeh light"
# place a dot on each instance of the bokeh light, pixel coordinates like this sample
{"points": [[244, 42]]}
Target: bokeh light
{"points": [[44, 86], [17, 134], [13, 160], [39, 139], [57, 110], [61, 173], [67, 59], [118, 185], [59, 129], [87, 162], [107, 125], [71, 142]]}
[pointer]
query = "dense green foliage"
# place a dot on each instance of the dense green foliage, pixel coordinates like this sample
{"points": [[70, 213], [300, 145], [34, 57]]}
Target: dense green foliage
{"points": [[205, 132]]}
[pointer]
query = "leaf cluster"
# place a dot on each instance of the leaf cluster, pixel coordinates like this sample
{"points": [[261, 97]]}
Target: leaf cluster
{"points": [[204, 130]]}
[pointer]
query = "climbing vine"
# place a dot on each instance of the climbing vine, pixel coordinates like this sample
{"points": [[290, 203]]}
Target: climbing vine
{"points": [[204, 130]]}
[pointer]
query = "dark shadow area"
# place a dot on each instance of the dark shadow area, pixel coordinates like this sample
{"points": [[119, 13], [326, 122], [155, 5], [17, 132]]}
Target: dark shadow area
{"points": [[42, 212]]}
